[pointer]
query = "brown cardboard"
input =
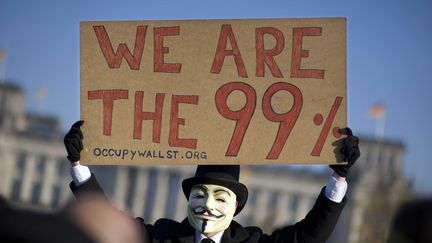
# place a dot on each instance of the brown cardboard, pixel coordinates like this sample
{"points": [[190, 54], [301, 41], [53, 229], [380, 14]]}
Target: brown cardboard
{"points": [[191, 66]]}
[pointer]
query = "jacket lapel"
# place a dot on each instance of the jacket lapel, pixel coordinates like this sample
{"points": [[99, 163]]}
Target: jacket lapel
{"points": [[235, 233], [187, 232]]}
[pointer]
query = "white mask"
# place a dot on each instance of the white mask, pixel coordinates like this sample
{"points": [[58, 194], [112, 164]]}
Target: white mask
{"points": [[211, 208]]}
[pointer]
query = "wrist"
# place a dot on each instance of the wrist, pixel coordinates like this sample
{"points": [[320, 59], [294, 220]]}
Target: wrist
{"points": [[76, 163], [338, 177], [335, 190], [80, 174]]}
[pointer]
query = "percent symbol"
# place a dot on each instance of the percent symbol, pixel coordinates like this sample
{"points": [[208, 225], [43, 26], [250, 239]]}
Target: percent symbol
{"points": [[318, 119]]}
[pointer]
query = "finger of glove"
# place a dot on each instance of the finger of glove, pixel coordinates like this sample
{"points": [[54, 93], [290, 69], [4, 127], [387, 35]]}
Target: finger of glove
{"points": [[69, 148], [353, 156], [73, 143], [349, 132], [349, 143], [73, 134], [76, 136], [77, 143], [346, 151], [72, 152], [78, 124], [343, 152], [77, 131], [352, 141]]}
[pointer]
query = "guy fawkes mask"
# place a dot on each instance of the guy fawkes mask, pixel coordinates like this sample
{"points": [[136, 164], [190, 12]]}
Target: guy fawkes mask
{"points": [[211, 208]]}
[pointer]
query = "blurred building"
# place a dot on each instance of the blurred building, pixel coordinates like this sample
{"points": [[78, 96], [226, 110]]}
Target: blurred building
{"points": [[34, 173], [33, 169]]}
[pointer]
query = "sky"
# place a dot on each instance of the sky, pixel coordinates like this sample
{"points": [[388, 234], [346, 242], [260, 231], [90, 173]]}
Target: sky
{"points": [[388, 56]]}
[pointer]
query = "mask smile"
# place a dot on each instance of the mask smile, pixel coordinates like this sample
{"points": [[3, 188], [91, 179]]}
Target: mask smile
{"points": [[206, 214]]}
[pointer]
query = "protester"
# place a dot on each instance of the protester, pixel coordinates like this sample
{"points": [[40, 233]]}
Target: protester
{"points": [[215, 196], [92, 220], [412, 222]]}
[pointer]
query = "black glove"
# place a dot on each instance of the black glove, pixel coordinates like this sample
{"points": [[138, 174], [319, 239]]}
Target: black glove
{"points": [[350, 151], [73, 141]]}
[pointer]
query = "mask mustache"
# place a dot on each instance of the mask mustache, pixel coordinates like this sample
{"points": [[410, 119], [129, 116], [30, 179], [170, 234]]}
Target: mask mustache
{"points": [[205, 212]]}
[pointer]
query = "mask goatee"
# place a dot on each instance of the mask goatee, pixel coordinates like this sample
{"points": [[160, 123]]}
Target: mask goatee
{"points": [[204, 224]]}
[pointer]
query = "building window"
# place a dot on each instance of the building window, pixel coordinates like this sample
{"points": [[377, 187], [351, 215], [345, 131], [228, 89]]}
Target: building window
{"points": [[251, 202], [40, 166], [366, 157], [293, 203], [20, 162], [55, 196], [36, 191], [17, 180], [62, 167], [132, 179], [37, 186], [380, 158], [151, 190], [16, 189], [173, 191], [273, 200]]}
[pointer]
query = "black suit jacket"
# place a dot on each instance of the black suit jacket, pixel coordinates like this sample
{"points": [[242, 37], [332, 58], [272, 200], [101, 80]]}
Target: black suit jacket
{"points": [[314, 228]]}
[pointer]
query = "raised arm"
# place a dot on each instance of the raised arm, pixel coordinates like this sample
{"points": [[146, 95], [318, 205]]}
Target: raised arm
{"points": [[320, 222], [83, 180]]}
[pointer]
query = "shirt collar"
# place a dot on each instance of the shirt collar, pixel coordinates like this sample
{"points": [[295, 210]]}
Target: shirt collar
{"points": [[216, 238]]}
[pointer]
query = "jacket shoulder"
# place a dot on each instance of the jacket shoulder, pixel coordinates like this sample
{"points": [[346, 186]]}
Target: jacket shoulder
{"points": [[253, 230], [167, 229], [167, 223]]}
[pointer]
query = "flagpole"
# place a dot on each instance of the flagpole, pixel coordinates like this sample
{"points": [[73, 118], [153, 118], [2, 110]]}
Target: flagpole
{"points": [[380, 127], [3, 62], [377, 113]]}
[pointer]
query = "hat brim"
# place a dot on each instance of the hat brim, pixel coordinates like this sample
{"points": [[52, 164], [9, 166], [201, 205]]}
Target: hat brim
{"points": [[238, 188]]}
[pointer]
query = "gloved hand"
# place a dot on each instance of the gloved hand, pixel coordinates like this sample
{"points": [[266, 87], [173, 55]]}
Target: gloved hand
{"points": [[73, 141], [351, 152]]}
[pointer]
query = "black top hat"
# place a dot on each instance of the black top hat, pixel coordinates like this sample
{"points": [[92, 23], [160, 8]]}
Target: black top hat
{"points": [[222, 175]]}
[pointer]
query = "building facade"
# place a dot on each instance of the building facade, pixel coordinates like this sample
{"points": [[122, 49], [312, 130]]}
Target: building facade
{"points": [[34, 173]]}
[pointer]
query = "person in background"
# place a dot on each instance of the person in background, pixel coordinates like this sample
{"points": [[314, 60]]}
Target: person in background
{"points": [[92, 220], [412, 222], [215, 196]]}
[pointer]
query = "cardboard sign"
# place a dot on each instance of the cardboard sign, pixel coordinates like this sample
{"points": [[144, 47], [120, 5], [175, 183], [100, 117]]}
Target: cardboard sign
{"points": [[213, 91]]}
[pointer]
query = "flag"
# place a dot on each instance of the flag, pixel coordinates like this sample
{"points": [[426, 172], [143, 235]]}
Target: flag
{"points": [[376, 111], [41, 94], [2, 54]]}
